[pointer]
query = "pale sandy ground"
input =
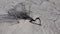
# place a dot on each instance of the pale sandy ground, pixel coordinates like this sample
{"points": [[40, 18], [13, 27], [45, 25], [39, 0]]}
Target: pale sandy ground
{"points": [[47, 11]]}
